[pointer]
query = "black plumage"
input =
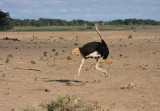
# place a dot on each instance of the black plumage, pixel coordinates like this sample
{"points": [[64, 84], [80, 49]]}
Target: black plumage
{"points": [[99, 47]]}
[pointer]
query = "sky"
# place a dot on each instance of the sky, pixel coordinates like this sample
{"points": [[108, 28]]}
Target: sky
{"points": [[91, 10]]}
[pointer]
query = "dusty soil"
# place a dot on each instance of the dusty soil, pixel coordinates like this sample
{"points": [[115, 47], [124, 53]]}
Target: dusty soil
{"points": [[26, 76]]}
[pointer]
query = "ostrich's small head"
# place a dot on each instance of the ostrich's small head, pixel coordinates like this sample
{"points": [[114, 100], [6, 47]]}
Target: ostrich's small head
{"points": [[75, 52], [96, 25]]}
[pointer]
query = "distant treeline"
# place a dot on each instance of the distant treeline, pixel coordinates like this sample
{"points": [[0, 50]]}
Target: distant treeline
{"points": [[134, 22], [7, 23], [59, 22], [50, 22]]}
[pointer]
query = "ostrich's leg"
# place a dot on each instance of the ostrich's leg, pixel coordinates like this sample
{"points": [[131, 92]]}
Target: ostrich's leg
{"points": [[100, 69], [79, 70]]}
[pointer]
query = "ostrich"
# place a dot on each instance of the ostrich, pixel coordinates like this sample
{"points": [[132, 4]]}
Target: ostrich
{"points": [[95, 50]]}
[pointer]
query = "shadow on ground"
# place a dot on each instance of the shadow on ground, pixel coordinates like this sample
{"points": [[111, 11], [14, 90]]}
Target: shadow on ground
{"points": [[72, 82], [64, 81]]}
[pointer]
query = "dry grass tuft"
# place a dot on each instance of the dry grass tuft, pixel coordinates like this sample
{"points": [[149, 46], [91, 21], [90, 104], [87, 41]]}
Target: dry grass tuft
{"points": [[68, 103]]}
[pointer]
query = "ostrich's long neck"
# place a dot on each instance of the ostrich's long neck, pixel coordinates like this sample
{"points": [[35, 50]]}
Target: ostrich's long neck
{"points": [[98, 32]]}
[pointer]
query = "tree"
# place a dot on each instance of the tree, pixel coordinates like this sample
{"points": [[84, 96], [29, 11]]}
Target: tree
{"points": [[118, 22], [6, 22]]}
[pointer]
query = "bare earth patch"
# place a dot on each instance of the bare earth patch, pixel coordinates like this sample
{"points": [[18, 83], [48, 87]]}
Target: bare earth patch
{"points": [[39, 67]]}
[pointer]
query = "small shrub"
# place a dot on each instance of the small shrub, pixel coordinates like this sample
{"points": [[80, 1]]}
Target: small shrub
{"points": [[129, 86], [56, 54], [10, 56], [45, 53], [7, 60], [130, 36], [3, 75], [36, 78], [76, 44], [69, 58], [68, 103], [124, 87]]}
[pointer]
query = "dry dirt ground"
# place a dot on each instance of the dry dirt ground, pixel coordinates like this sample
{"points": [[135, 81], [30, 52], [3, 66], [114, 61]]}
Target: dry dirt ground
{"points": [[25, 73]]}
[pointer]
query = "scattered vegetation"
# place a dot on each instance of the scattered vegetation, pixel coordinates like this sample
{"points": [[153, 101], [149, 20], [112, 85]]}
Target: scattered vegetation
{"points": [[56, 54], [35, 78], [130, 36], [7, 60], [69, 58], [68, 103], [129, 86], [10, 56], [45, 53], [76, 44], [33, 62], [3, 75], [124, 87]]}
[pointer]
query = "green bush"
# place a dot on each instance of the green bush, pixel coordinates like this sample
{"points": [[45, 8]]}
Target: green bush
{"points": [[10, 55]]}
